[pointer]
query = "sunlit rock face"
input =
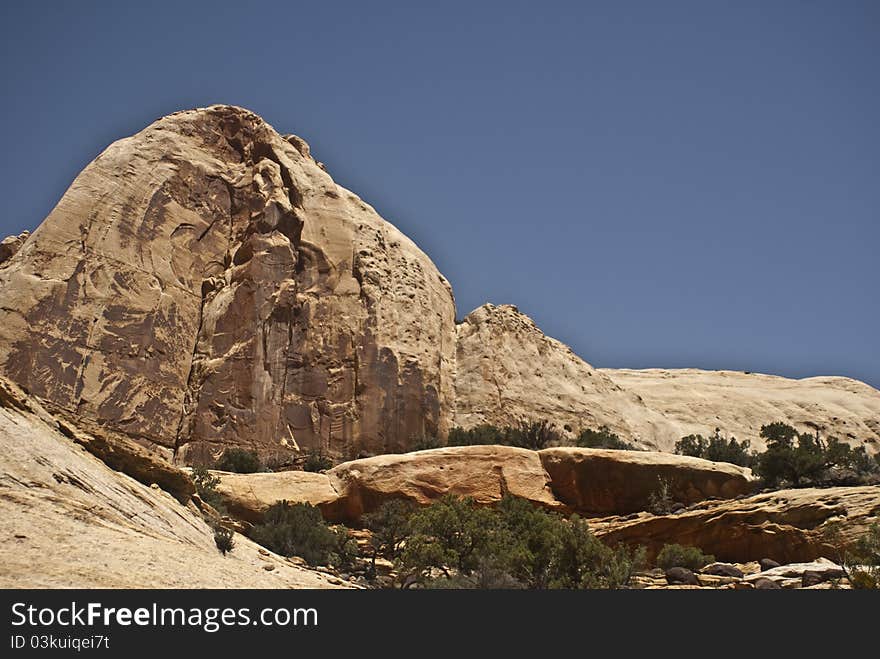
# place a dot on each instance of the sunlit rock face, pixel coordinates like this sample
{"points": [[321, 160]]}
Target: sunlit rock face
{"points": [[205, 283]]}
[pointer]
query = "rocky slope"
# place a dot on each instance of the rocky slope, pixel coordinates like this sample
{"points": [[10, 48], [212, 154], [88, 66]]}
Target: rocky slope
{"points": [[205, 283], [72, 522]]}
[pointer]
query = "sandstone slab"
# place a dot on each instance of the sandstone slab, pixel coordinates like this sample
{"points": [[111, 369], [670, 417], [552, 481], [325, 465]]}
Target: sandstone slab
{"points": [[599, 481], [787, 526]]}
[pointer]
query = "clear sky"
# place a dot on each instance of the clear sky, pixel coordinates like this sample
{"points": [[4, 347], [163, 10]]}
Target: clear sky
{"points": [[658, 184]]}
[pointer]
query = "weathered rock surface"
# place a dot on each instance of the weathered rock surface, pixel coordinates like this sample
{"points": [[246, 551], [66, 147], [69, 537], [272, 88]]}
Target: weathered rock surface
{"points": [[205, 283], [484, 473], [69, 521], [248, 496], [801, 575], [588, 481], [787, 526], [11, 244], [599, 481], [693, 401]]}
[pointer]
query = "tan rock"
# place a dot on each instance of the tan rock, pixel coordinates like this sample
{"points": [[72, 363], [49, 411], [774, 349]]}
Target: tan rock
{"points": [[10, 245], [205, 284], [72, 522], [484, 473], [788, 526], [693, 401], [248, 496], [597, 481]]}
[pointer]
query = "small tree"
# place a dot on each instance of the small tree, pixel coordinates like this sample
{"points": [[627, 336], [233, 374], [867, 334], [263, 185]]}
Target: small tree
{"points": [[390, 526], [223, 539], [239, 460], [534, 435], [675, 555], [206, 487], [297, 530], [660, 502], [316, 461], [603, 438]]}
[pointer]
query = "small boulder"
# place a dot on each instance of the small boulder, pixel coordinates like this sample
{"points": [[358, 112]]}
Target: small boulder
{"points": [[768, 564], [762, 583], [681, 576], [723, 570]]}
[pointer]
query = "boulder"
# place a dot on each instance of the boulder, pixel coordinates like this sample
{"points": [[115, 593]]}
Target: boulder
{"points": [[600, 481], [794, 575], [768, 564], [483, 473], [762, 583], [788, 526], [723, 570], [681, 576], [248, 496]]}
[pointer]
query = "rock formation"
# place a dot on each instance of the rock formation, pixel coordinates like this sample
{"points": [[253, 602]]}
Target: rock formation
{"points": [[72, 522], [787, 525], [586, 481], [206, 284]]}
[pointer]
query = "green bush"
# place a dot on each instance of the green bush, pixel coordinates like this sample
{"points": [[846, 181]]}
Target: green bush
{"points": [[716, 448], [206, 487], [681, 556], [454, 543], [425, 444], [863, 562], [390, 526], [660, 501], [316, 461], [803, 458], [482, 434], [239, 460], [533, 435], [223, 539], [298, 530], [603, 438]]}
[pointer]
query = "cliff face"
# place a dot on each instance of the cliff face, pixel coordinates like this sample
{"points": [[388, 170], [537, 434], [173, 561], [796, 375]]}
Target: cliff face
{"points": [[206, 284]]}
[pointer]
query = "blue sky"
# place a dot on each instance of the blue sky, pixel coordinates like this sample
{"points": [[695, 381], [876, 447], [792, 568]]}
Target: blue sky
{"points": [[657, 184]]}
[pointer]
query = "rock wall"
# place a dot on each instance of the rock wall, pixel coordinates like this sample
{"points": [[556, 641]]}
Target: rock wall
{"points": [[205, 283]]}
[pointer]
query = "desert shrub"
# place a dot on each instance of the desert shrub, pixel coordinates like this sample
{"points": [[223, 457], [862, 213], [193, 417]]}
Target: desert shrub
{"points": [[660, 501], [390, 526], [455, 544], [425, 443], [716, 448], [482, 434], [803, 458], [682, 556], [223, 539], [206, 487], [316, 461], [862, 564], [297, 530], [533, 435], [239, 460], [602, 438]]}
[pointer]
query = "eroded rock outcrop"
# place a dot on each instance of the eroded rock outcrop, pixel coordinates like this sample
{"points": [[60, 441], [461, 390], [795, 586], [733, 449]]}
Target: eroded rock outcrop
{"points": [[597, 481], [787, 526], [205, 283], [587, 481], [72, 522], [248, 496]]}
